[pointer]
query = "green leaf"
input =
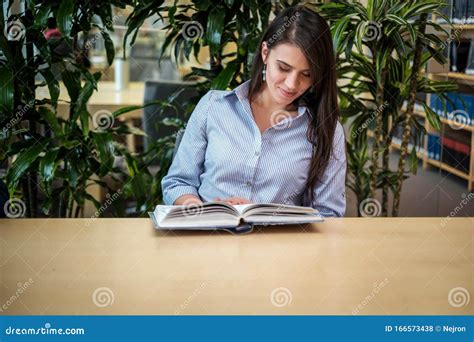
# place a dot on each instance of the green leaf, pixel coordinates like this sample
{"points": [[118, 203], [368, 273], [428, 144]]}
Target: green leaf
{"points": [[128, 109], [6, 91], [109, 47], [222, 81], [215, 27], [64, 16], [71, 144], [73, 174], [51, 119], [413, 160], [49, 164], [421, 7], [339, 29], [91, 198], [21, 165], [371, 9], [432, 116], [84, 118], [53, 85], [86, 93], [72, 81], [104, 144]]}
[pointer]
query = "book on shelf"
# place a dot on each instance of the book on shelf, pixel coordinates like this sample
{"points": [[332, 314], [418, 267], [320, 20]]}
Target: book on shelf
{"points": [[470, 59], [459, 55], [434, 146], [218, 215], [460, 12], [460, 108], [456, 149]]}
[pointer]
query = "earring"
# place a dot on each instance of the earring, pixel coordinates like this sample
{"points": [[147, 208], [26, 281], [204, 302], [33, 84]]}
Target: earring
{"points": [[264, 72]]}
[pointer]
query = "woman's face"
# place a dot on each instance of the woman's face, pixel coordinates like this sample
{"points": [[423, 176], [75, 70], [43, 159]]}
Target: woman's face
{"points": [[288, 72]]}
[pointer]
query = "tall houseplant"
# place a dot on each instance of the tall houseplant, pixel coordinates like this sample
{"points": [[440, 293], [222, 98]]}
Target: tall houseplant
{"points": [[382, 49], [60, 157]]}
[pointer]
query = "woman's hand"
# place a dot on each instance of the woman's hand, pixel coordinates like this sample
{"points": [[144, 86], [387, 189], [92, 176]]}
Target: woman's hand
{"points": [[232, 200], [188, 200]]}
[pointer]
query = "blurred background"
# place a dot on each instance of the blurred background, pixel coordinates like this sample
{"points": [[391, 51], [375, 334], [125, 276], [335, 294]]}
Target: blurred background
{"points": [[94, 95]]}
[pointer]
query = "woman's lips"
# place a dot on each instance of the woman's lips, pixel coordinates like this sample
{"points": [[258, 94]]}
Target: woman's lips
{"points": [[286, 94]]}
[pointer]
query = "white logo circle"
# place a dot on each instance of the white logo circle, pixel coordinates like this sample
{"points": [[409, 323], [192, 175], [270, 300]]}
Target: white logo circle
{"points": [[280, 297], [14, 30], [459, 119], [191, 208], [14, 208], [458, 296], [102, 297], [370, 207], [103, 119], [280, 119], [192, 30], [373, 30]]}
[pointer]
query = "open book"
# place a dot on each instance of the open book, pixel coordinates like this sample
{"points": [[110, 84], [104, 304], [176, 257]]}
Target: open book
{"points": [[214, 215]]}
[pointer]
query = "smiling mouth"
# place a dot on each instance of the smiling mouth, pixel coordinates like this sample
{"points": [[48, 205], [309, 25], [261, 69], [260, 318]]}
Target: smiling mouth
{"points": [[286, 94]]}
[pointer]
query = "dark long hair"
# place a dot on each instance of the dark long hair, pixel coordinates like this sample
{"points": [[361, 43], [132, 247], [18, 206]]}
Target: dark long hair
{"points": [[303, 27]]}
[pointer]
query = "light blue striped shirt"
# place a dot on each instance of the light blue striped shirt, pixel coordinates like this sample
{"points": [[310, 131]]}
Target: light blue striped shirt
{"points": [[222, 154]]}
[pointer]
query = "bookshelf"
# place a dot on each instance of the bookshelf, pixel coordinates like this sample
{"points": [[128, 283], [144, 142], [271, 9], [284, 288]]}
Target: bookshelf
{"points": [[446, 127], [461, 31], [466, 85]]}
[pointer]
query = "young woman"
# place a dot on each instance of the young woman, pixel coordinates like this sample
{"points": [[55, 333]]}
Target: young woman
{"points": [[275, 138]]}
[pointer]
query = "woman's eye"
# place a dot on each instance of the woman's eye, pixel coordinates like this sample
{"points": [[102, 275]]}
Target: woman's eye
{"points": [[307, 75], [284, 69]]}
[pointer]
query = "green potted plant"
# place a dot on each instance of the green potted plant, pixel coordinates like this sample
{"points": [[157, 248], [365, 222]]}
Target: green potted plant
{"points": [[382, 49]]}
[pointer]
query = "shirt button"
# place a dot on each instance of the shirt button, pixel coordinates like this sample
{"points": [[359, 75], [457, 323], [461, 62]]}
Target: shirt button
{"points": [[257, 153], [248, 183]]}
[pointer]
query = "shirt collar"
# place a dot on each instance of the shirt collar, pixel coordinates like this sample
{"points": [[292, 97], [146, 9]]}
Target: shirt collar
{"points": [[242, 93]]}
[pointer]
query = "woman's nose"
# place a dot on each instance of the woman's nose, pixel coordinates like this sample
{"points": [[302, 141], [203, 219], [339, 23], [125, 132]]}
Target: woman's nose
{"points": [[291, 82]]}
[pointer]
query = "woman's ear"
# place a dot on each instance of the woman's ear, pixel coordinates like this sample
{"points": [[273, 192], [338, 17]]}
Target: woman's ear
{"points": [[265, 51]]}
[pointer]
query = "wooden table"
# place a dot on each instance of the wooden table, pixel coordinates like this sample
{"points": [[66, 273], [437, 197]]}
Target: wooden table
{"points": [[105, 98], [106, 95], [394, 266]]}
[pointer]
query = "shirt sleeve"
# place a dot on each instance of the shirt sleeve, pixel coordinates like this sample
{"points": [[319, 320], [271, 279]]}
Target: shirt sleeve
{"points": [[183, 177], [329, 196]]}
